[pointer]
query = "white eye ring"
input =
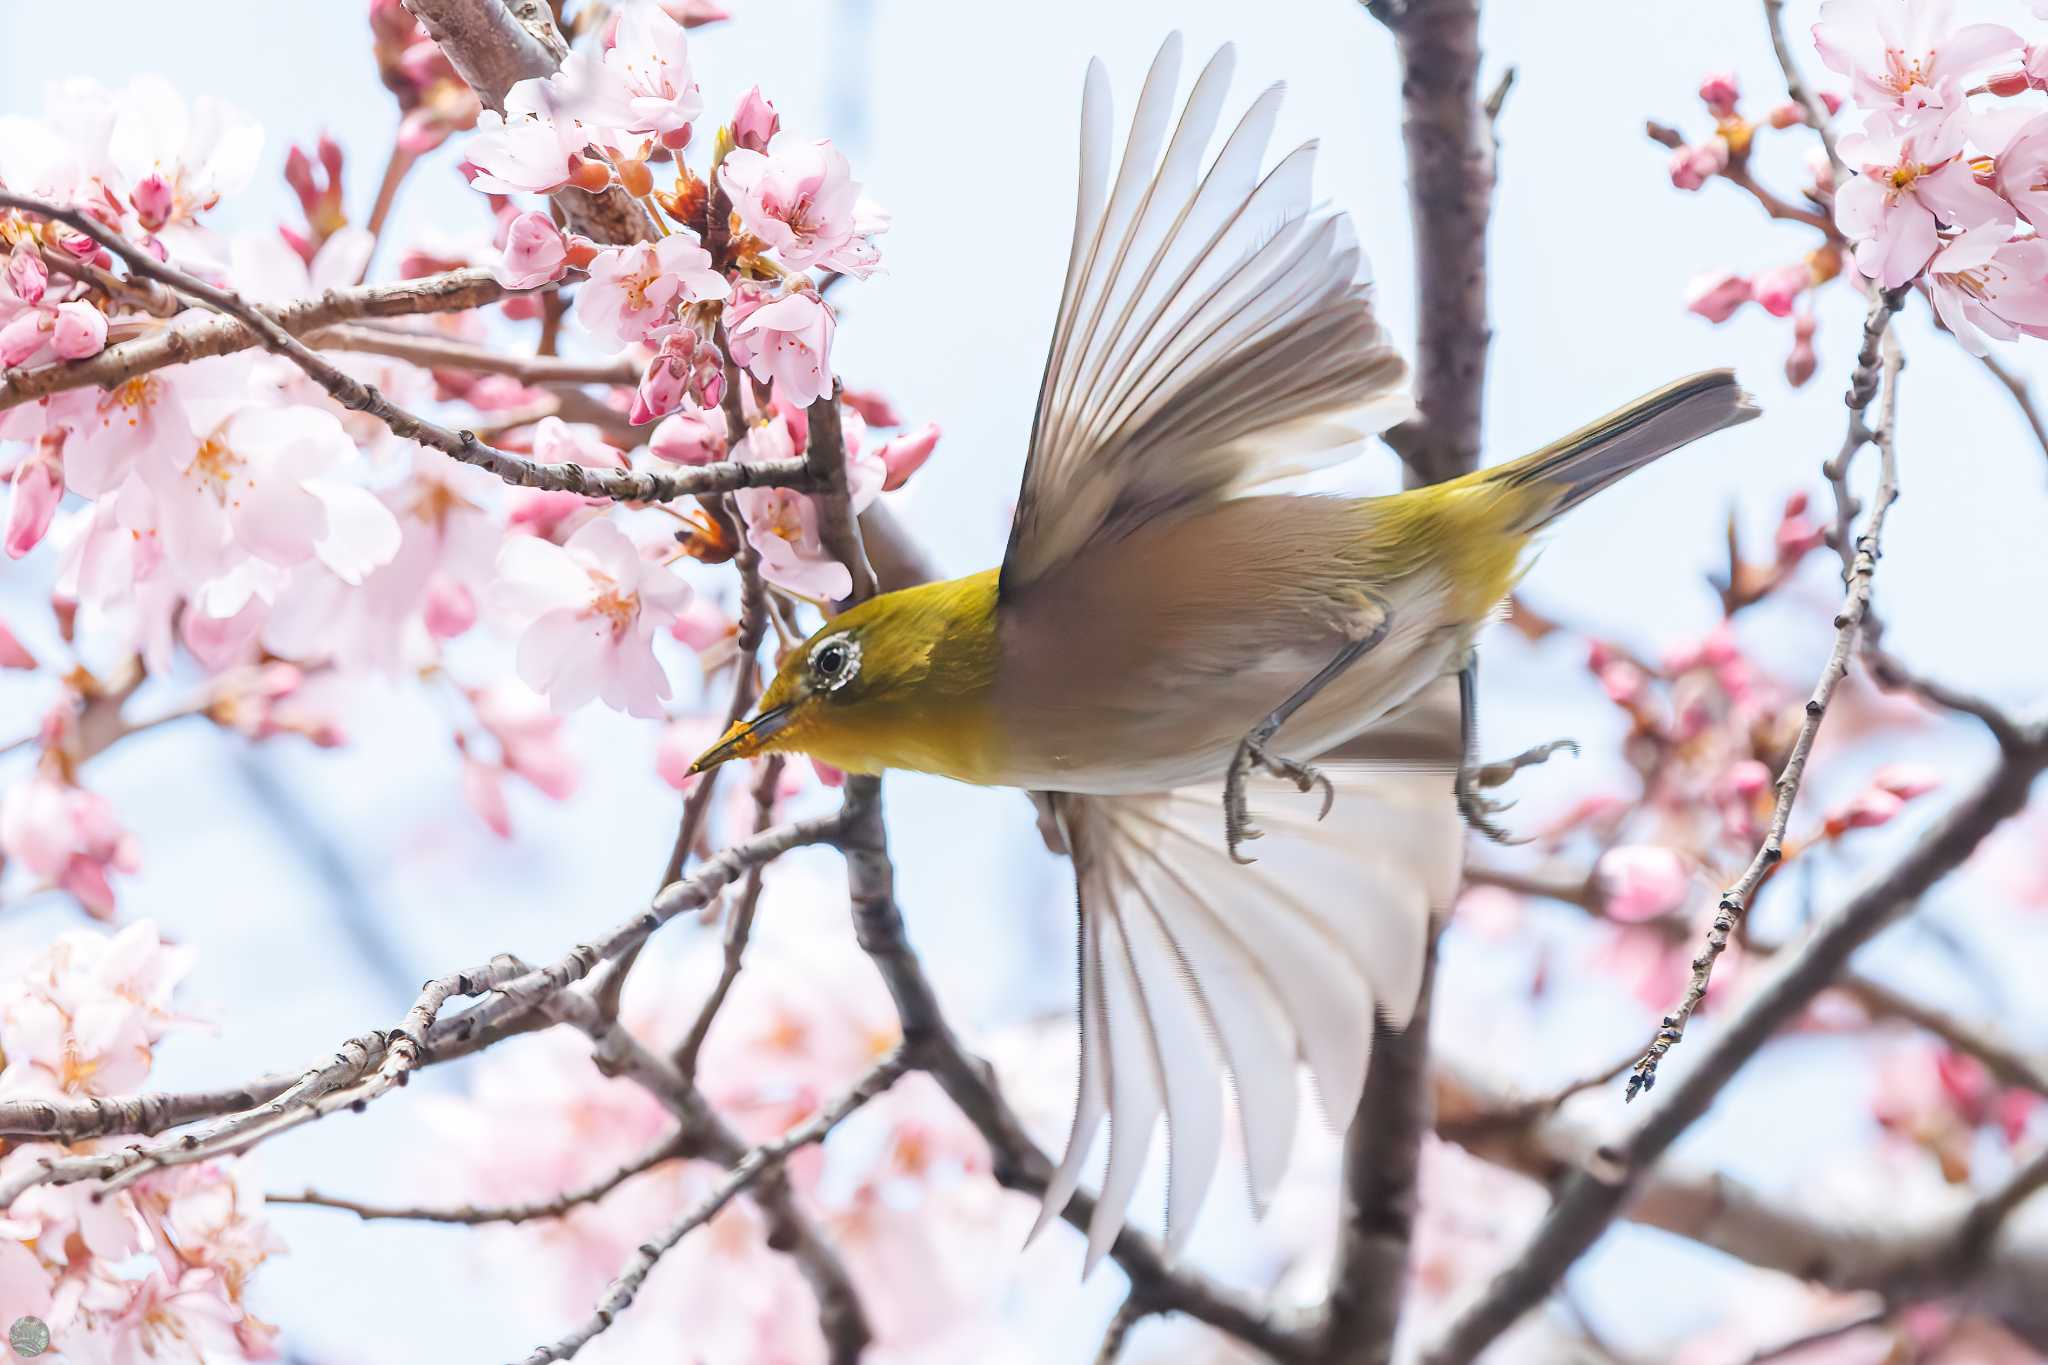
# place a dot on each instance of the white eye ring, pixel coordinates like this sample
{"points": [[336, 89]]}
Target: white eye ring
{"points": [[834, 677]]}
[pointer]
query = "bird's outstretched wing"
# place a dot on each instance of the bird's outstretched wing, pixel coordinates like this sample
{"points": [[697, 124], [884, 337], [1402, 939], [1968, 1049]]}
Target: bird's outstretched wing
{"points": [[1195, 969], [1214, 332]]}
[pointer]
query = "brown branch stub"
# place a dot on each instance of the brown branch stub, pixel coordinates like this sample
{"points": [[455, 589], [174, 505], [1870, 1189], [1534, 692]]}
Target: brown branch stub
{"points": [[825, 457]]}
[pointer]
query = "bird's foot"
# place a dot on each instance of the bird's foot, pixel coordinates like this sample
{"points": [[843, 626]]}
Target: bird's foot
{"points": [[1477, 809], [1252, 753]]}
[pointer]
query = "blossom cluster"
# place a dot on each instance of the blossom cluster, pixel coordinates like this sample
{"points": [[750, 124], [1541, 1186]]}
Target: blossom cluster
{"points": [[159, 1270], [227, 513], [1942, 159]]}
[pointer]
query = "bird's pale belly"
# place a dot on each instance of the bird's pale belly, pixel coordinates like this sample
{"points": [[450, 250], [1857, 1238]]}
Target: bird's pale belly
{"points": [[1108, 734]]}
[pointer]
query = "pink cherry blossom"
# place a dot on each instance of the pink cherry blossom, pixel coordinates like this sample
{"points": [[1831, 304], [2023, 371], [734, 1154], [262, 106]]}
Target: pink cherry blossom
{"points": [[873, 406], [530, 740], [82, 1016], [1643, 881], [33, 492], [534, 253], [690, 437], [786, 341], [1986, 288], [559, 442], [800, 199], [905, 455], [680, 743], [633, 289], [68, 837], [1719, 92], [449, 610], [642, 83], [1910, 181], [526, 149], [1907, 54], [1695, 164], [1716, 296], [592, 607], [2021, 169]]}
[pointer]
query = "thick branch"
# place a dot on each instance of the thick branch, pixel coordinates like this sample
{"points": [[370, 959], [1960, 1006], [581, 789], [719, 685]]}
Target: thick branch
{"points": [[1449, 143], [194, 335]]}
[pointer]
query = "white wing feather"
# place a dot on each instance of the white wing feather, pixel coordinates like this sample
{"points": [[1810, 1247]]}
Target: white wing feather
{"points": [[1213, 332], [1196, 970]]}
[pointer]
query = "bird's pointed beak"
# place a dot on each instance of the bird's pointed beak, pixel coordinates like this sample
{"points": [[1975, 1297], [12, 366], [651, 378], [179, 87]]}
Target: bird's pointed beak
{"points": [[746, 738]]}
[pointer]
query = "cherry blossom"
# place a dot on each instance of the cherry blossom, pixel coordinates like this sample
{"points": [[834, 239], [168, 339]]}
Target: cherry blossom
{"points": [[1644, 881], [526, 149], [592, 606], [1907, 54], [1910, 181], [689, 437], [34, 491], [786, 341], [1716, 296], [633, 289], [67, 837], [906, 454], [1987, 289], [641, 84], [84, 1015], [801, 200]]}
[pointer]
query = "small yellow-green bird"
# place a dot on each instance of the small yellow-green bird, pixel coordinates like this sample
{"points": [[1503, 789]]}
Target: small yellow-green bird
{"points": [[1160, 630]]}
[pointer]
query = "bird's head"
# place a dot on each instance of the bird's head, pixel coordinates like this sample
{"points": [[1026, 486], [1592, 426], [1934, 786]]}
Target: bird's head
{"points": [[878, 684]]}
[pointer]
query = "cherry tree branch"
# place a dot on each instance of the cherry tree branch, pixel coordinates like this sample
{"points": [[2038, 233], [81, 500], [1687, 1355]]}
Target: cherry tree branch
{"points": [[668, 1149], [356, 396], [438, 353], [1849, 618], [195, 335]]}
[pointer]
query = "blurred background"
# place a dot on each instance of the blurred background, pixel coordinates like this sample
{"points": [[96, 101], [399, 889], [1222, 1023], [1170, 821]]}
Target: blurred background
{"points": [[323, 886]]}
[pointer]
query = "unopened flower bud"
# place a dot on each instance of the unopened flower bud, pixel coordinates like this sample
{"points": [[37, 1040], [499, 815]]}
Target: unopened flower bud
{"points": [[635, 177], [1719, 92], [592, 177], [1716, 296], [27, 276], [754, 122], [153, 200]]}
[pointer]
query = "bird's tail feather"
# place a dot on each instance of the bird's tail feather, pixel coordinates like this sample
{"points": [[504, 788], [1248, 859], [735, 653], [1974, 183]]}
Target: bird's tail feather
{"points": [[1577, 466]]}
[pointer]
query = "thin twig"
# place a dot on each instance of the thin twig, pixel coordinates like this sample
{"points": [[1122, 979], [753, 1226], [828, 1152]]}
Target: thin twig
{"points": [[438, 353], [1735, 900], [668, 1149], [1795, 85]]}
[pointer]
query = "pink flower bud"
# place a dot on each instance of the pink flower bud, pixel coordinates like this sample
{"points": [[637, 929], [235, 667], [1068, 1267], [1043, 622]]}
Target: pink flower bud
{"points": [[690, 437], [23, 338], [449, 611], [1867, 810], [828, 775], [874, 409], [1719, 92], [1830, 101], [1790, 114], [1696, 163], [1716, 296], [12, 653], [1778, 288], [906, 455], [32, 497], [1745, 780], [534, 253], [1801, 361], [81, 331], [27, 276], [660, 391], [754, 121], [154, 199]]}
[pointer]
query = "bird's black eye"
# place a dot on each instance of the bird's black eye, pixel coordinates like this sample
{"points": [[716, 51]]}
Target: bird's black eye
{"points": [[835, 662]]}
